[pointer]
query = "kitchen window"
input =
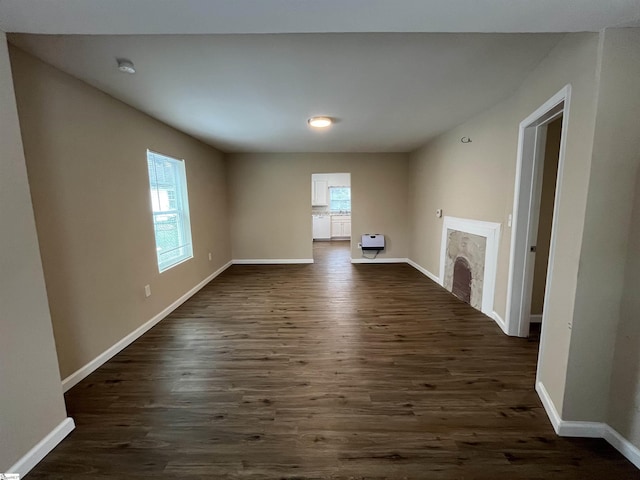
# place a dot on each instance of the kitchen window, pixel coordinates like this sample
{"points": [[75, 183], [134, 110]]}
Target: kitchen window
{"points": [[340, 199], [170, 209]]}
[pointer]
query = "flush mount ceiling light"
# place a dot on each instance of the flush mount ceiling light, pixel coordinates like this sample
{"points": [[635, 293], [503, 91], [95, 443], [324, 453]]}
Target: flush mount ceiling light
{"points": [[320, 122], [126, 66]]}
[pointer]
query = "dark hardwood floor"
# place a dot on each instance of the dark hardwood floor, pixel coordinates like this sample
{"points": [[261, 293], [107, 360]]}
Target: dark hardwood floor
{"points": [[329, 370]]}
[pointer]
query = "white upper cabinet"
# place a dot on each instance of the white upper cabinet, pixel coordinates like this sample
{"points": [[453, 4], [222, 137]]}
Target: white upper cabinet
{"points": [[320, 193]]}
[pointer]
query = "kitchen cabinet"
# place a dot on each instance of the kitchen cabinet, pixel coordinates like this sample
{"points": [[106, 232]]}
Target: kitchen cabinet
{"points": [[319, 193], [341, 226], [346, 228]]}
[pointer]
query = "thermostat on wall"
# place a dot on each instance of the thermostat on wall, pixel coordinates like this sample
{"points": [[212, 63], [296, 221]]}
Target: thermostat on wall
{"points": [[372, 241]]}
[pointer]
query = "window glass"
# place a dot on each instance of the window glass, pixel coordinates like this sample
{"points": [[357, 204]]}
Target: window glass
{"points": [[340, 199], [170, 206]]}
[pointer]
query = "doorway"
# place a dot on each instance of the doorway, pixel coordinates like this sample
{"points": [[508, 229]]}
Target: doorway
{"points": [[549, 167], [331, 207], [536, 198]]}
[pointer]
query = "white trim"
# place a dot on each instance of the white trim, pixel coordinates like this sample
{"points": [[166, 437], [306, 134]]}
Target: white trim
{"points": [[548, 405], [379, 260], [566, 428], [518, 286], [270, 261], [624, 446], [499, 320], [424, 271], [489, 230], [535, 318], [97, 362], [42, 448]]}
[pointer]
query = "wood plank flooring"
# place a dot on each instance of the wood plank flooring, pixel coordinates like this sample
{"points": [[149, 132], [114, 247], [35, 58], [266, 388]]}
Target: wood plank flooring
{"points": [[320, 371]]}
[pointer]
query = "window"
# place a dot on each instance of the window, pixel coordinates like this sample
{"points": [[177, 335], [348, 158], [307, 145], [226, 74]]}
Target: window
{"points": [[170, 205], [340, 199]]}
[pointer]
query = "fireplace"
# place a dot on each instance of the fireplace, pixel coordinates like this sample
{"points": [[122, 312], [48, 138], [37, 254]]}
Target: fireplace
{"points": [[461, 287], [468, 261]]}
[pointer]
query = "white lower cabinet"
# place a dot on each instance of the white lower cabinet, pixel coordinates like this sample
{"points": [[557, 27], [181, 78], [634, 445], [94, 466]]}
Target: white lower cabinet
{"points": [[346, 228], [341, 226]]}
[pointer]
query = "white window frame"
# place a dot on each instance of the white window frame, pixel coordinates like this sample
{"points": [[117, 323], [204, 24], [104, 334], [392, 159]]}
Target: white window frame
{"points": [[181, 212]]}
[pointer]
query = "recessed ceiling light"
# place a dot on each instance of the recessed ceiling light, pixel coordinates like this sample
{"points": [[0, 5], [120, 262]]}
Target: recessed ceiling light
{"points": [[320, 122], [126, 66]]}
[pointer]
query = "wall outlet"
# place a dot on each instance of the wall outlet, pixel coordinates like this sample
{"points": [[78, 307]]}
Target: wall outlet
{"points": [[359, 245], [439, 213], [209, 256], [147, 290]]}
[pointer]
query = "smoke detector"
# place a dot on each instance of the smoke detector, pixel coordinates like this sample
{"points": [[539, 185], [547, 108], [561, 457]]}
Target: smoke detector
{"points": [[126, 66]]}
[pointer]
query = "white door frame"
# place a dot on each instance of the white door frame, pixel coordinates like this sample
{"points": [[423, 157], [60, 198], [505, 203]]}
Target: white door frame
{"points": [[526, 208]]}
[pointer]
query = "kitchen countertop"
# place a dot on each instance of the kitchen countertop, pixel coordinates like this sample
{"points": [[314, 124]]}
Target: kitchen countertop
{"points": [[331, 214]]}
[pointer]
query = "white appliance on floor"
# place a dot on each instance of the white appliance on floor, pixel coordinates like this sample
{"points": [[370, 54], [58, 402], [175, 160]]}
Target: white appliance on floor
{"points": [[321, 227]]}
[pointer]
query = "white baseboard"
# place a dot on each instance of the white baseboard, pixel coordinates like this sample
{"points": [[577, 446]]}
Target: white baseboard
{"points": [[535, 318], [624, 446], [500, 321], [379, 260], [270, 261], [42, 448], [548, 405], [567, 428], [90, 367], [424, 271]]}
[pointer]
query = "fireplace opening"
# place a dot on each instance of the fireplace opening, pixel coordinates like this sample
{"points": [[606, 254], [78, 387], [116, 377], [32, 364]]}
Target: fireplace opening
{"points": [[462, 280]]}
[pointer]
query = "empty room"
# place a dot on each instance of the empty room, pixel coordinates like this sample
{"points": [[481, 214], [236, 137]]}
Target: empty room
{"points": [[319, 240]]}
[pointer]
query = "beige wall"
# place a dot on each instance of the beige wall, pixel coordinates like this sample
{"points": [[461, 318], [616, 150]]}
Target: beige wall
{"points": [[466, 180], [574, 61], [86, 159], [624, 395], [31, 394], [601, 280], [476, 181], [547, 198], [270, 202]]}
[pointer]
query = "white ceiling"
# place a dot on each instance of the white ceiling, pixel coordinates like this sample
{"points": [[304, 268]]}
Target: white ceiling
{"points": [[311, 16], [247, 92], [389, 92]]}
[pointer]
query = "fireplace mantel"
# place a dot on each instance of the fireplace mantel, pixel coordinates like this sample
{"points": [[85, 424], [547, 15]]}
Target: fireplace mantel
{"points": [[488, 230]]}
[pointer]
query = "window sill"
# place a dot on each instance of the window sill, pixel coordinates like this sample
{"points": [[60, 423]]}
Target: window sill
{"points": [[169, 267]]}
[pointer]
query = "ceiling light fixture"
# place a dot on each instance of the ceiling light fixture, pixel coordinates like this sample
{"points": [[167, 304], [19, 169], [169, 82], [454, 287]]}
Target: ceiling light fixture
{"points": [[126, 66], [320, 122]]}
